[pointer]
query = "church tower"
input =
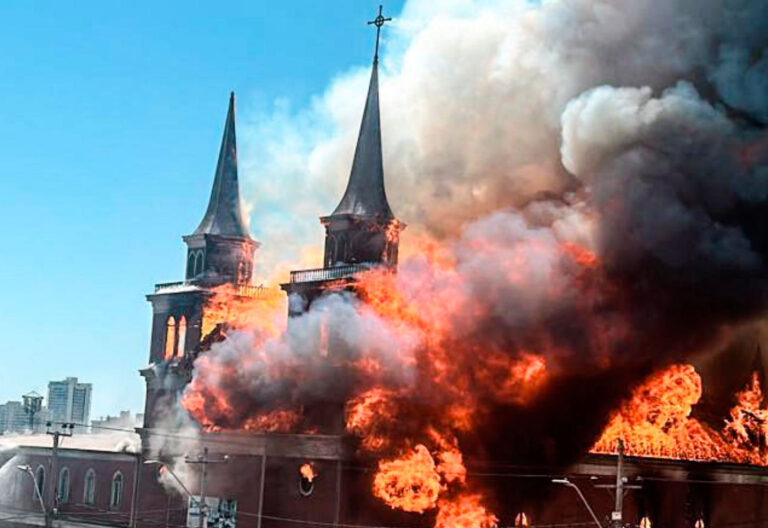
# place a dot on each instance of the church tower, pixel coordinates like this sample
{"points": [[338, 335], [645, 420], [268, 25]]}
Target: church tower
{"points": [[219, 252], [362, 232], [221, 249]]}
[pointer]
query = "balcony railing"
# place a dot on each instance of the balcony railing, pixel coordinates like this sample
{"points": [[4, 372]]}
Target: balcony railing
{"points": [[164, 285], [245, 290], [323, 274]]}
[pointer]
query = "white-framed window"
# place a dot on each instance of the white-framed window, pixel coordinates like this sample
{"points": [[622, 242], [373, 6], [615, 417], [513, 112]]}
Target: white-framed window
{"points": [[116, 494], [63, 494], [89, 487]]}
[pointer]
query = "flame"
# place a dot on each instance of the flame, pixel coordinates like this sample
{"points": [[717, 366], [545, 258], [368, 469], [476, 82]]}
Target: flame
{"points": [[748, 425], [243, 307], [464, 511], [365, 415], [277, 421], [521, 520], [409, 483], [307, 471], [656, 422]]}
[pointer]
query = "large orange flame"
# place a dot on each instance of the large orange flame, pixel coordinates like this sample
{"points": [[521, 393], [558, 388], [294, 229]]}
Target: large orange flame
{"points": [[245, 307], [410, 483], [656, 422], [464, 511]]}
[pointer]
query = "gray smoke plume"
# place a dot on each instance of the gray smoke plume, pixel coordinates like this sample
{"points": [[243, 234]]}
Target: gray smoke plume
{"points": [[514, 132]]}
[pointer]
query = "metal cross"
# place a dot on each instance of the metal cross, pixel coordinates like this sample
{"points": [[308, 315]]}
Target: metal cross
{"points": [[378, 22]]}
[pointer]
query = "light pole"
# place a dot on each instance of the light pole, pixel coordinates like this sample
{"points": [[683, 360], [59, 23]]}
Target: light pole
{"points": [[28, 470], [566, 482]]}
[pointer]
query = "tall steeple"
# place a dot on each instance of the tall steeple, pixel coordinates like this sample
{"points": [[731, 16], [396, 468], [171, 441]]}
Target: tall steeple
{"points": [[221, 248], [224, 215], [365, 194], [362, 228], [361, 233]]}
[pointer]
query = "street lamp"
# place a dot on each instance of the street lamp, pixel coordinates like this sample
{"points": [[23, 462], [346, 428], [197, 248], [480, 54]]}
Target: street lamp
{"points": [[566, 482], [28, 470]]}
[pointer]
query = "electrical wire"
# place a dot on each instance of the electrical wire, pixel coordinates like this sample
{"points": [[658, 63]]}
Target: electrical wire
{"points": [[246, 443], [510, 474]]}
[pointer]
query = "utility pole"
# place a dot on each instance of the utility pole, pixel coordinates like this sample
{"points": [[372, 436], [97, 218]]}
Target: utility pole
{"points": [[621, 486], [203, 460], [66, 430], [616, 516]]}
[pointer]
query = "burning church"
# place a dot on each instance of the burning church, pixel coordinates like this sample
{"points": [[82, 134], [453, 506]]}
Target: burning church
{"points": [[417, 395], [589, 355]]}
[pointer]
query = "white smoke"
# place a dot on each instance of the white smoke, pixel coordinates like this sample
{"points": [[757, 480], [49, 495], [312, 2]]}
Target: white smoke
{"points": [[472, 96]]}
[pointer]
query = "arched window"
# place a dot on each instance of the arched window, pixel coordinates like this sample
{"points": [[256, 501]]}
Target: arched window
{"points": [[170, 337], [199, 263], [89, 487], [64, 485], [521, 520], [116, 495], [182, 336], [645, 522], [699, 523], [191, 264], [39, 481]]}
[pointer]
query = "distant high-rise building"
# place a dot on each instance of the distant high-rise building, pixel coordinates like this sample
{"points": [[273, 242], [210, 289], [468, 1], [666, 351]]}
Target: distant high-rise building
{"points": [[69, 401], [12, 417]]}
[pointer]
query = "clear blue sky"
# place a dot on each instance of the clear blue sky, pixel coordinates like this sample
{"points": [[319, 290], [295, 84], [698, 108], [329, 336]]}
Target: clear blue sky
{"points": [[110, 121]]}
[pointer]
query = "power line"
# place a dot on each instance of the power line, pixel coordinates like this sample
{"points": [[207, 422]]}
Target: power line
{"points": [[244, 442]]}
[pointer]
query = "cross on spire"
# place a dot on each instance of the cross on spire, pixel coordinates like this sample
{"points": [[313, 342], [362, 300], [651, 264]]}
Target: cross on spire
{"points": [[378, 22]]}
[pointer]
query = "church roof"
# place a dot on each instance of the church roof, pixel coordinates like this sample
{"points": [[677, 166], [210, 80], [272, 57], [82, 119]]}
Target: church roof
{"points": [[365, 194], [224, 215]]}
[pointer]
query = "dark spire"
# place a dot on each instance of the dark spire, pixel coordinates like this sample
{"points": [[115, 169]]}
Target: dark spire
{"points": [[365, 194], [224, 215]]}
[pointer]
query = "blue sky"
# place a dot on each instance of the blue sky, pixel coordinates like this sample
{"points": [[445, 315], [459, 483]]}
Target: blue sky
{"points": [[110, 121]]}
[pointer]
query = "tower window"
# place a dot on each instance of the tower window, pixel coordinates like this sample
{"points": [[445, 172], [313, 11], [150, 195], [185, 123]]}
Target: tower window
{"points": [[182, 336], [521, 520], [170, 337], [116, 495], [89, 487], [64, 485]]}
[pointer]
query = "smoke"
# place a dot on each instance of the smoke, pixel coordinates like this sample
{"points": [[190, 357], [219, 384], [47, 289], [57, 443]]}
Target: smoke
{"points": [[584, 181], [472, 96]]}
